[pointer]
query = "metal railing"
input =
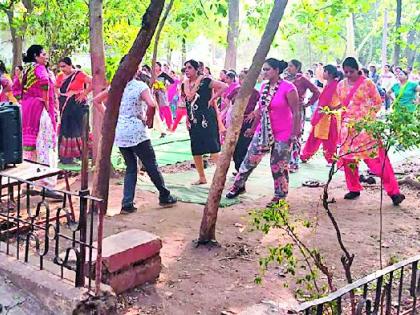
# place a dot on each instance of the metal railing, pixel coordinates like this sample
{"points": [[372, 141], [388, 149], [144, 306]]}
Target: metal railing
{"points": [[392, 290], [40, 231]]}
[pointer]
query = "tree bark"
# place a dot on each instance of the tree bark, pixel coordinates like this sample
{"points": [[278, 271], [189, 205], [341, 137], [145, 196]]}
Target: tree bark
{"points": [[97, 59], [397, 45], [17, 32], [125, 72], [384, 54], [208, 223], [351, 46], [157, 37], [184, 51], [232, 35]]}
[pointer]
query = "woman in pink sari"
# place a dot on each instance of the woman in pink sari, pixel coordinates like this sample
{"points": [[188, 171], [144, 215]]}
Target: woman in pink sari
{"points": [[38, 111], [360, 100]]}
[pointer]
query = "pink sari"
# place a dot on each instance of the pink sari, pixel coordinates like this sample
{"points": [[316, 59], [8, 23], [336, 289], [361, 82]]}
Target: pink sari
{"points": [[37, 80]]}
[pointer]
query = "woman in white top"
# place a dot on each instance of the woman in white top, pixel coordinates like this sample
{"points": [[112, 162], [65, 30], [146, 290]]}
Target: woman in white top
{"points": [[132, 138]]}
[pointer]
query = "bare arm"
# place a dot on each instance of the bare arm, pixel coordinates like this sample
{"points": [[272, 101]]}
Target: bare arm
{"points": [[314, 90], [147, 98], [218, 87], [293, 100]]}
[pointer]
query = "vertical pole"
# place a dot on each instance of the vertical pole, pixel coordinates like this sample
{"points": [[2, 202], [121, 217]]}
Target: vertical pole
{"points": [[80, 273]]}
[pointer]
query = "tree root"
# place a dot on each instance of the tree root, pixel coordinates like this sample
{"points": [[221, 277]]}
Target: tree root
{"points": [[207, 243]]}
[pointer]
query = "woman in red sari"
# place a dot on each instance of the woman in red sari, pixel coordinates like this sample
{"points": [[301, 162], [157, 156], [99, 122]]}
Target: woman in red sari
{"points": [[360, 100], [325, 126], [73, 86]]}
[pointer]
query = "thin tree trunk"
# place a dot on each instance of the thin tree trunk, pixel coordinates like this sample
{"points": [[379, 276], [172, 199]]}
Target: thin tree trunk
{"points": [[208, 223], [126, 71], [384, 54], [232, 35], [157, 37], [412, 37], [97, 59], [184, 51], [351, 46], [17, 39], [397, 46]]}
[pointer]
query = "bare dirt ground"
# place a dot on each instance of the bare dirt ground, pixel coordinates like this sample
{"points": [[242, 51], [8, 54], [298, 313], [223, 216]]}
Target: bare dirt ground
{"points": [[220, 280]]}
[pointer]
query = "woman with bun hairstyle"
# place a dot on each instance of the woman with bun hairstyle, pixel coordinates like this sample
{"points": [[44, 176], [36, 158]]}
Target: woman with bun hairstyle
{"points": [[73, 87], [360, 100], [325, 126], [38, 112], [276, 126], [199, 94]]}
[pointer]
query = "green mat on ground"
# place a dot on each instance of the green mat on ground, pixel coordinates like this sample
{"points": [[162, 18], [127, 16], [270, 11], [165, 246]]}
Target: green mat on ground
{"points": [[173, 148], [70, 167]]}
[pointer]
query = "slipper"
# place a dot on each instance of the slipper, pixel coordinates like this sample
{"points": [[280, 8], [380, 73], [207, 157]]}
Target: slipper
{"points": [[311, 183], [199, 182]]}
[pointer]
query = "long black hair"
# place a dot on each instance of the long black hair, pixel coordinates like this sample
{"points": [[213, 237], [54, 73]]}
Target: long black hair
{"points": [[274, 63], [32, 52], [2, 67], [351, 62]]}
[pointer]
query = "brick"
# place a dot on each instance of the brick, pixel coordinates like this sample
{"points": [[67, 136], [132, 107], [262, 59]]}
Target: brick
{"points": [[134, 276], [127, 248]]}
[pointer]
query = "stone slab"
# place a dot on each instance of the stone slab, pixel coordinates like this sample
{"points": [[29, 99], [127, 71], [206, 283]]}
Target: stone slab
{"points": [[120, 251], [135, 276]]}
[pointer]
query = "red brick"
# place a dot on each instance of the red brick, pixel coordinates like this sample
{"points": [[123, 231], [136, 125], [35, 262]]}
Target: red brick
{"points": [[134, 276], [119, 251]]}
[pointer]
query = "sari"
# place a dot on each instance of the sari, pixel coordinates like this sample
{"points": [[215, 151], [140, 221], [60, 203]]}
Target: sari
{"points": [[36, 81], [72, 113]]}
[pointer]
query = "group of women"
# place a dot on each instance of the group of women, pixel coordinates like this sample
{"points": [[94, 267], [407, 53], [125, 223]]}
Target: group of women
{"points": [[52, 109], [273, 122], [278, 127]]}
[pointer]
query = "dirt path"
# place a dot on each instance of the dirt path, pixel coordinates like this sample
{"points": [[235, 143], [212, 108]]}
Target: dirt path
{"points": [[210, 281]]}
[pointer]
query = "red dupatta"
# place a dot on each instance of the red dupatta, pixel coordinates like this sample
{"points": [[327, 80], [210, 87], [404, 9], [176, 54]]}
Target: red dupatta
{"points": [[325, 99]]}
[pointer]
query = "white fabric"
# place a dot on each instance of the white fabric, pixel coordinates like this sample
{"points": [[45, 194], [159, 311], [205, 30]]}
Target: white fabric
{"points": [[131, 127]]}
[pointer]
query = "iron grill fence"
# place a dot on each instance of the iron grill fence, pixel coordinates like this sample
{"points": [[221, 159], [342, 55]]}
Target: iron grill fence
{"points": [[55, 236], [392, 290]]}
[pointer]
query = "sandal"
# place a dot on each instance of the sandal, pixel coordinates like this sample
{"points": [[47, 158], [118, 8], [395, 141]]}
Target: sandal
{"points": [[199, 182], [311, 183]]}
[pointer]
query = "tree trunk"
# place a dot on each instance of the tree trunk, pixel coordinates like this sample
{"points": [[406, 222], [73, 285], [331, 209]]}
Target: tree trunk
{"points": [[125, 72], [157, 36], [412, 36], [232, 35], [17, 40], [351, 46], [384, 54], [397, 45], [184, 51], [208, 223], [97, 59]]}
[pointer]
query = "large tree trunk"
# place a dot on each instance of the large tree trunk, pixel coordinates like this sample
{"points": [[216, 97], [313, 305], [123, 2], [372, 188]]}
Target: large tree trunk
{"points": [[208, 223], [351, 45], [97, 59], [397, 45], [232, 35], [384, 54], [126, 71], [157, 37]]}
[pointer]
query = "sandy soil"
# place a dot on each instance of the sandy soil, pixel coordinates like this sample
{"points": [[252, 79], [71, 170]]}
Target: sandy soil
{"points": [[216, 280]]}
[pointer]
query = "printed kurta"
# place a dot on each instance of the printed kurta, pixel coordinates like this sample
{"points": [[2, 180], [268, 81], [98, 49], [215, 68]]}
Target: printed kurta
{"points": [[365, 103]]}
